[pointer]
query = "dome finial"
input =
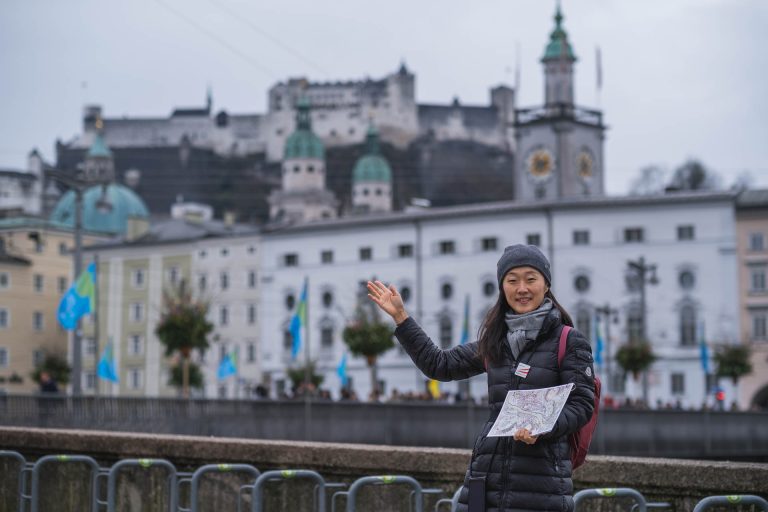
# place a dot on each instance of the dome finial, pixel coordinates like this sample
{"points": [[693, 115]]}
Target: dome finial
{"points": [[303, 119]]}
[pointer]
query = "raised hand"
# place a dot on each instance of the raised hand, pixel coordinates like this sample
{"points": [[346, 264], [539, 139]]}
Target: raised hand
{"points": [[388, 300]]}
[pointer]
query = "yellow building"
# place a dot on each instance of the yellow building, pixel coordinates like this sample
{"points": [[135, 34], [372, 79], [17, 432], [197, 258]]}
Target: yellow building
{"points": [[35, 271]]}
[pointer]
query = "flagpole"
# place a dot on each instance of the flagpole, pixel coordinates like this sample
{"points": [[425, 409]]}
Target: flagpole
{"points": [[96, 330], [307, 401]]}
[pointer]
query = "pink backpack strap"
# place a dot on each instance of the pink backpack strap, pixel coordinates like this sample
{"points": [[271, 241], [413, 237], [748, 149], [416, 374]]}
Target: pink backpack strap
{"points": [[563, 342]]}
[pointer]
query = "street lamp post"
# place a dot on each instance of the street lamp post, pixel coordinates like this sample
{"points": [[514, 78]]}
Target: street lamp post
{"points": [[646, 274], [608, 314]]}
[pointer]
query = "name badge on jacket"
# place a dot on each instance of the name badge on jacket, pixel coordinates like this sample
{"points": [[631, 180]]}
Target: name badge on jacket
{"points": [[522, 370]]}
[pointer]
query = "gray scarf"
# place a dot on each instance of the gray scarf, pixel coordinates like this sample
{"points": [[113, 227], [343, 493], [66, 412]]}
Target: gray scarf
{"points": [[524, 328]]}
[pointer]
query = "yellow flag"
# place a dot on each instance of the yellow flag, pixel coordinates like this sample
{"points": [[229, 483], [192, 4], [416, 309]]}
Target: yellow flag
{"points": [[434, 388]]}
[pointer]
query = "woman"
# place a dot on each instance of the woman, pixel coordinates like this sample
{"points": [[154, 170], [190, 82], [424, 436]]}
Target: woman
{"points": [[522, 472]]}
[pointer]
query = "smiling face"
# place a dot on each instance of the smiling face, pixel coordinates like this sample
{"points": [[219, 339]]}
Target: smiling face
{"points": [[524, 289]]}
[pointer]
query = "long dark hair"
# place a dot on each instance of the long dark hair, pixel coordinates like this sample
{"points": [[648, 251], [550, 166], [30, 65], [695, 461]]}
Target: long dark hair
{"points": [[494, 328]]}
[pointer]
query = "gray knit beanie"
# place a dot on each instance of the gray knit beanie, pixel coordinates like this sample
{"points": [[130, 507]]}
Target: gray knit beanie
{"points": [[523, 256]]}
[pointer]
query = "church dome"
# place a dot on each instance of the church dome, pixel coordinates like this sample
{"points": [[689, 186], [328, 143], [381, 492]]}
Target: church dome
{"points": [[372, 167], [123, 201], [303, 143], [558, 42]]}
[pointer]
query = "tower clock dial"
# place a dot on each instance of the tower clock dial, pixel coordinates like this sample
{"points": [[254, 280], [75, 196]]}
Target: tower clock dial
{"points": [[585, 165], [541, 163]]}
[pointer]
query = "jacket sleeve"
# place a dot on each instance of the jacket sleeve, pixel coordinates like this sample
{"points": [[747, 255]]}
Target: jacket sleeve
{"points": [[576, 368], [456, 363]]}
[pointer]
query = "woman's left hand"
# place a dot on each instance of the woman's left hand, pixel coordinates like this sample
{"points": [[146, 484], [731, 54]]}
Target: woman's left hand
{"points": [[525, 436]]}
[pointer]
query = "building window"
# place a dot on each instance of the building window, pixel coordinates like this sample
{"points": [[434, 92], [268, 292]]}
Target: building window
{"points": [[582, 284], [446, 332], [202, 282], [62, 248], [224, 280], [756, 242], [446, 291], [366, 254], [224, 252], [584, 322], [4, 317], [135, 345], [37, 320], [252, 279], [37, 358], [62, 284], [327, 299], [405, 293], [760, 325], [635, 325], [757, 279], [678, 383], [685, 232], [90, 346], [687, 279], [250, 353], [581, 237], [326, 337], [137, 312], [90, 380], [405, 250], [489, 288], [287, 340], [633, 235], [447, 247], [223, 315], [251, 314], [489, 244], [135, 378], [137, 278], [326, 257], [290, 301], [3, 357], [5, 280], [533, 239], [39, 244], [201, 254], [291, 260], [687, 326], [37, 281], [173, 275]]}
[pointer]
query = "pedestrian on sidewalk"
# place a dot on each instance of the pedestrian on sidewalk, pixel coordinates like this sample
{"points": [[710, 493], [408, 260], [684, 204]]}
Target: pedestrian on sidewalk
{"points": [[521, 331]]}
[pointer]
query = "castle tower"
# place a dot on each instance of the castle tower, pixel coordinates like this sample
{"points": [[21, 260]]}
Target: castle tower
{"points": [[372, 179], [558, 62], [303, 196]]}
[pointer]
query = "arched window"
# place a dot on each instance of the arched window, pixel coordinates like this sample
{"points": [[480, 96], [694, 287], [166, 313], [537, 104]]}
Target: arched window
{"points": [[446, 331], [446, 291], [635, 324], [584, 321], [687, 325]]}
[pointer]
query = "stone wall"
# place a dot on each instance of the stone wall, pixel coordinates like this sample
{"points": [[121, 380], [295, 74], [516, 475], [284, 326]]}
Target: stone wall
{"points": [[680, 482]]}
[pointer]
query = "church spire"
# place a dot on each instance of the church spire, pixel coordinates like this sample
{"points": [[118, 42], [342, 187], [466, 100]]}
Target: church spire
{"points": [[558, 62]]}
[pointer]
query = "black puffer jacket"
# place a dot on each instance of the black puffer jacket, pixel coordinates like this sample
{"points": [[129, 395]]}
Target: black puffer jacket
{"points": [[519, 477]]}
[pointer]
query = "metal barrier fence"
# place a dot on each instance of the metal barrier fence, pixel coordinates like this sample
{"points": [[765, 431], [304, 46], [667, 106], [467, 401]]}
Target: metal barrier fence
{"points": [[685, 434]]}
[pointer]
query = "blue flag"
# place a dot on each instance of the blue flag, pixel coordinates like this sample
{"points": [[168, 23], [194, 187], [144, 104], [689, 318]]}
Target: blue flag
{"points": [[106, 368], [598, 344], [465, 325], [79, 299], [341, 370], [228, 366], [704, 350], [298, 321]]}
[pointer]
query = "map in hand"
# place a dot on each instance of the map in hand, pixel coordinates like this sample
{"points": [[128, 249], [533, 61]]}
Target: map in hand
{"points": [[534, 409]]}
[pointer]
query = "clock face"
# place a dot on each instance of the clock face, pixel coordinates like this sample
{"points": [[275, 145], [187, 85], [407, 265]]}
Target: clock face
{"points": [[541, 163], [585, 165]]}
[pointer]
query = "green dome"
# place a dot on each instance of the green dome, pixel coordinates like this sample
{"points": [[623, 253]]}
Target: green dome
{"points": [[99, 148], [303, 143], [372, 166], [124, 203], [558, 42]]}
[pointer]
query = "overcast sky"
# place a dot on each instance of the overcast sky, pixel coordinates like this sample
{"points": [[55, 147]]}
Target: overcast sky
{"points": [[681, 78]]}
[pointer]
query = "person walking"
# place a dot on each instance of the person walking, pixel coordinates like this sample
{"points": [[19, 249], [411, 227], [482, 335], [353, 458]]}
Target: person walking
{"points": [[518, 348]]}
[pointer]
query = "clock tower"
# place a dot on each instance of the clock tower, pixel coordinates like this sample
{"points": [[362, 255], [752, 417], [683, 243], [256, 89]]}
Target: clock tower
{"points": [[559, 145]]}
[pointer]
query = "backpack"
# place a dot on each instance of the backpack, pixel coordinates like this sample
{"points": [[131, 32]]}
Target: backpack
{"points": [[579, 440]]}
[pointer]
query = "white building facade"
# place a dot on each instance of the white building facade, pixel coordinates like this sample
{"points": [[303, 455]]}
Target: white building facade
{"points": [[439, 257]]}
